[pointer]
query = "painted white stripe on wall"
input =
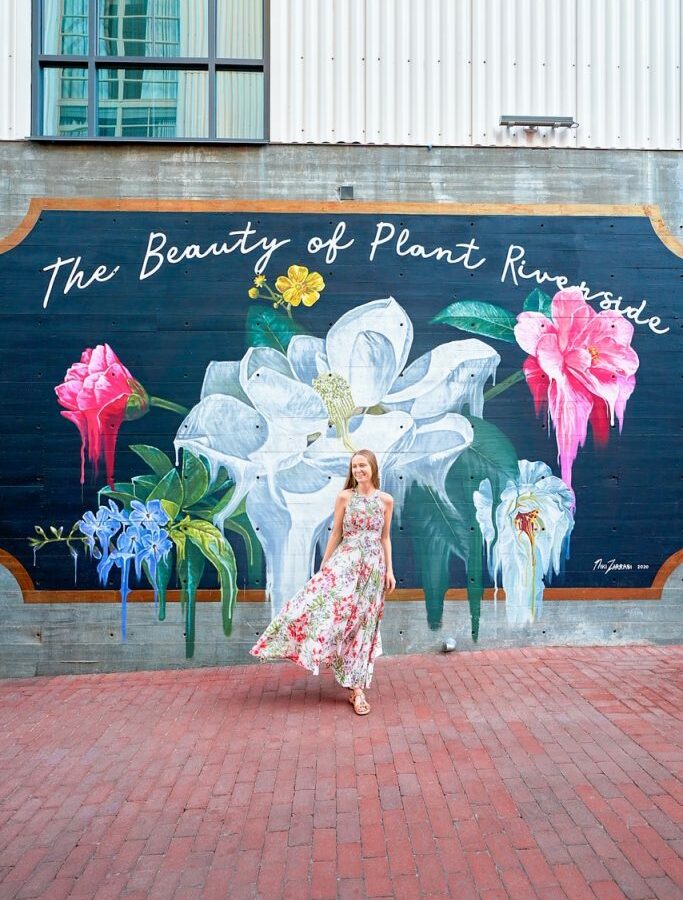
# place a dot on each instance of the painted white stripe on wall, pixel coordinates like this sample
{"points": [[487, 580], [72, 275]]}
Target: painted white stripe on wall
{"points": [[15, 69]]}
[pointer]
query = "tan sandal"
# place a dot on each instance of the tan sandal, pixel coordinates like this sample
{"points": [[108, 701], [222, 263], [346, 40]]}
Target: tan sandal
{"points": [[361, 707]]}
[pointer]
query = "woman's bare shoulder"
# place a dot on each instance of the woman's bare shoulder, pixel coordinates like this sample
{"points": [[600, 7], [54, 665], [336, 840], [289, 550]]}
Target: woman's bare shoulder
{"points": [[344, 495], [387, 499]]}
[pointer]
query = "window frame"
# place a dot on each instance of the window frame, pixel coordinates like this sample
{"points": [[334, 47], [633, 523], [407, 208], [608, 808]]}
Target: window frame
{"points": [[95, 61]]}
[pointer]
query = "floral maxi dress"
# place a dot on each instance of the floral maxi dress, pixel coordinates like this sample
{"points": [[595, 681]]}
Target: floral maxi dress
{"points": [[334, 619]]}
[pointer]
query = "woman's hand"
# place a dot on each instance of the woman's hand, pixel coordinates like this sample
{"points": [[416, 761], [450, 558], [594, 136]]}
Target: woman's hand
{"points": [[389, 582]]}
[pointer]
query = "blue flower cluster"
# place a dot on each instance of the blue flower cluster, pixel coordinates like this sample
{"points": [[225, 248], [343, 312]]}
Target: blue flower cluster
{"points": [[120, 538]]}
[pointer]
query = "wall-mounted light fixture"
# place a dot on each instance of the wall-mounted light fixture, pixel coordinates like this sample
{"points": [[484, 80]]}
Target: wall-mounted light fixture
{"points": [[345, 191], [533, 123]]}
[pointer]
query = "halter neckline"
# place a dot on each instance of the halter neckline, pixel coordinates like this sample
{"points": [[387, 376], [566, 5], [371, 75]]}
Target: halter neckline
{"points": [[366, 496]]}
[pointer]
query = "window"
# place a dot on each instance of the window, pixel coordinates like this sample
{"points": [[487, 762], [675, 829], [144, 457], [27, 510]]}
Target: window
{"points": [[156, 70]]}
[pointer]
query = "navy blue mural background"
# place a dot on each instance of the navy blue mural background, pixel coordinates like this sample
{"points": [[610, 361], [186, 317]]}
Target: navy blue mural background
{"points": [[167, 328]]}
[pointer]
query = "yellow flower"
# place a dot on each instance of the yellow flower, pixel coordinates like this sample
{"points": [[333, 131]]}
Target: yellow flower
{"points": [[259, 280], [300, 286], [253, 293]]}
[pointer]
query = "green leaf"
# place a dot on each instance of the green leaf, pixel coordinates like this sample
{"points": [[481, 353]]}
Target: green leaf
{"points": [[537, 301], [242, 526], [492, 456], [164, 569], [143, 485], [268, 327], [169, 488], [158, 462], [443, 533], [172, 509], [479, 317], [179, 539], [226, 500], [194, 477], [190, 570], [207, 538], [440, 534], [123, 491]]}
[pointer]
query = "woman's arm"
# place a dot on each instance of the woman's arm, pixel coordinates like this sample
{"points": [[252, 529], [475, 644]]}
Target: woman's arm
{"points": [[336, 533], [389, 579]]}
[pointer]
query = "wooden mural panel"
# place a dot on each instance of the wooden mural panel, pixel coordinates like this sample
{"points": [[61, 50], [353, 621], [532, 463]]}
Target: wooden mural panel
{"points": [[183, 384]]}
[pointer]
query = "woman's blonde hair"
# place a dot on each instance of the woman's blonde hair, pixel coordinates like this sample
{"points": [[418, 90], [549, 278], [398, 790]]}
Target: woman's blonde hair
{"points": [[374, 469]]}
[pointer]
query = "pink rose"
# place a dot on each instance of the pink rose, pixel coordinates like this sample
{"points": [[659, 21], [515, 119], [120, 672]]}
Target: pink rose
{"points": [[98, 393], [581, 366]]}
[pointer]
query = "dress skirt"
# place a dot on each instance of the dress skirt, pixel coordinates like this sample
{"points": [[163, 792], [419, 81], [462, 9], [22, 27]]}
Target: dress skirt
{"points": [[334, 619]]}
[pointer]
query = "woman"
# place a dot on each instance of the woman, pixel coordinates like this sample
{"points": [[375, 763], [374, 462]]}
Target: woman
{"points": [[334, 619]]}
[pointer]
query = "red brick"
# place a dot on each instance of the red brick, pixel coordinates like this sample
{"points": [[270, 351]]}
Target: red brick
{"points": [[470, 836], [640, 859], [401, 858], [323, 881], [348, 889], [376, 877], [421, 838], [577, 780], [607, 890], [297, 864], [301, 831], [372, 840], [349, 860], [324, 844], [502, 852], [483, 871], [348, 828], [539, 872], [572, 882], [516, 883], [407, 887], [631, 883], [664, 888]]}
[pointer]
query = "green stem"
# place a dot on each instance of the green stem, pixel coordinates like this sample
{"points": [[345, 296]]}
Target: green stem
{"points": [[475, 580], [167, 404], [504, 385]]}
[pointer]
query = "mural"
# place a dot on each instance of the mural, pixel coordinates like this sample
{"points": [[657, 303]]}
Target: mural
{"points": [[230, 362]]}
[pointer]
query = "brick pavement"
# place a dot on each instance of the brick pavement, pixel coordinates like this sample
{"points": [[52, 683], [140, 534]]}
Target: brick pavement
{"points": [[545, 773]]}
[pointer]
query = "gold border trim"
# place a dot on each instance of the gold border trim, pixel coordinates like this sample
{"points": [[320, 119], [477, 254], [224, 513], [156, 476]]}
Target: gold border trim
{"points": [[30, 595], [351, 207], [111, 204]]}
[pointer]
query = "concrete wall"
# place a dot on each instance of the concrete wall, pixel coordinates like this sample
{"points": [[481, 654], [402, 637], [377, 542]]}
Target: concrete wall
{"points": [[42, 638], [413, 174], [33, 642]]}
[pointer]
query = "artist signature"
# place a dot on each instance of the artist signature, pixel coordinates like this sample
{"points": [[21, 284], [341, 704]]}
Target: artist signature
{"points": [[611, 565]]}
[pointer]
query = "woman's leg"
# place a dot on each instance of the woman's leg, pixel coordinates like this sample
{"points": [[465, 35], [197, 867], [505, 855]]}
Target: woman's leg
{"points": [[358, 701]]}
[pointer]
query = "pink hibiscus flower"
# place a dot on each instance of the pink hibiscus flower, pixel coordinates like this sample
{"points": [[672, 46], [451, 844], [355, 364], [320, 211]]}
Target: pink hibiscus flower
{"points": [[98, 393], [581, 367]]}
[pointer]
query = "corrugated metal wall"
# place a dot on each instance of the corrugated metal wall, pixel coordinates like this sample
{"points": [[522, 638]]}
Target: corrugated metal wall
{"points": [[15, 69], [442, 72]]}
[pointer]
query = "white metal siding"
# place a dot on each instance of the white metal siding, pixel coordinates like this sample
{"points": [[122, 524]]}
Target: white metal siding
{"points": [[317, 79], [524, 63], [370, 71], [629, 74], [15, 69], [442, 72]]}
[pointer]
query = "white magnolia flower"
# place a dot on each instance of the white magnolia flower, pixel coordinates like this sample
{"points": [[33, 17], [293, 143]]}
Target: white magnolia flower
{"points": [[533, 522], [283, 425]]}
